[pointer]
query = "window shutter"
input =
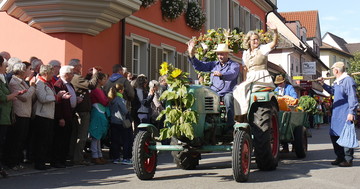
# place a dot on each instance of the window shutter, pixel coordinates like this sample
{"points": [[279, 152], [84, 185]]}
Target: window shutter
{"points": [[128, 54], [153, 71], [185, 63], [159, 59], [178, 61], [252, 22], [231, 14], [242, 19]]}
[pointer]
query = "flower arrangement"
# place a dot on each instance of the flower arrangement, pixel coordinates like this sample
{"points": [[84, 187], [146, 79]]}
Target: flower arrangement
{"points": [[147, 3], [178, 113], [172, 9], [194, 16]]}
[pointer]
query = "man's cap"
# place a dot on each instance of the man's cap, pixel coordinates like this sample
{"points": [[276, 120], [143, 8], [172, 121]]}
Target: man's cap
{"points": [[339, 65]]}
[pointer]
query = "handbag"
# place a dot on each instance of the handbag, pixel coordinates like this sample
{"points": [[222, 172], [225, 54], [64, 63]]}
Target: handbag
{"points": [[347, 137], [126, 123]]}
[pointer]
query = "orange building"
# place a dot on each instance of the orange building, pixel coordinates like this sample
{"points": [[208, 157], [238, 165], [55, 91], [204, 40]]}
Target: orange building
{"points": [[112, 32]]}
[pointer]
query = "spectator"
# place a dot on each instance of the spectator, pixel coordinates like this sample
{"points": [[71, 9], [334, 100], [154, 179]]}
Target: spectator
{"points": [[56, 66], [120, 132], [82, 87], [5, 111], [5, 55], [9, 69], [64, 113], [45, 111], [145, 99], [118, 77], [35, 65], [156, 105], [99, 119], [22, 108]]}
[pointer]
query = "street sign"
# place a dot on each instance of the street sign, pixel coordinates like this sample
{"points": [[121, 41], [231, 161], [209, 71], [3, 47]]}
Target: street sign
{"points": [[306, 85], [309, 68], [298, 77]]}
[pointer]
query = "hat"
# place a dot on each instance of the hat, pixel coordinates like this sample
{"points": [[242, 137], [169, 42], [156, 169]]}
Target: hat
{"points": [[223, 47], [339, 65], [279, 79]]}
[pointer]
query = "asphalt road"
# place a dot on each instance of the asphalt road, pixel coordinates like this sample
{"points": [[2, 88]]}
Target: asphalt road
{"points": [[214, 171]]}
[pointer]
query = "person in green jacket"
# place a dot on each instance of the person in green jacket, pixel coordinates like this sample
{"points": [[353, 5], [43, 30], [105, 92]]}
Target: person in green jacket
{"points": [[5, 110]]}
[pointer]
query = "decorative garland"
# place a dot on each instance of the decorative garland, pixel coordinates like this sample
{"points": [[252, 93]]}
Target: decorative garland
{"points": [[194, 17], [172, 9], [147, 3]]}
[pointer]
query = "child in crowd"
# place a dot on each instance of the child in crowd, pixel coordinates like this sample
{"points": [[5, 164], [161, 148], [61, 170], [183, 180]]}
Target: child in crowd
{"points": [[98, 122], [120, 126]]}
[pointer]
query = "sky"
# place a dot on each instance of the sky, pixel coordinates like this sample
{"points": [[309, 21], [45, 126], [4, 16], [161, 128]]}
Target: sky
{"points": [[340, 18]]}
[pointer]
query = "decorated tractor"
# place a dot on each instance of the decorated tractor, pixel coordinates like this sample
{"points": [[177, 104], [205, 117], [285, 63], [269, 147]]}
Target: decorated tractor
{"points": [[210, 134]]}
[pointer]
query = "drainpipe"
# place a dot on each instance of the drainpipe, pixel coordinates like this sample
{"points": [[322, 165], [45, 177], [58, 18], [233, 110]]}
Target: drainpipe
{"points": [[122, 51]]}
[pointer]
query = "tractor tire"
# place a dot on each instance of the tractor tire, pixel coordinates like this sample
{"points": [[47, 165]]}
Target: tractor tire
{"points": [[300, 141], [265, 129], [184, 159], [241, 156], [144, 159]]}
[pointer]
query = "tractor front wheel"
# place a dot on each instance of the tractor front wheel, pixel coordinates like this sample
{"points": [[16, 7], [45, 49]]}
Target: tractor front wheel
{"points": [[241, 156], [184, 159], [266, 136], [144, 159]]}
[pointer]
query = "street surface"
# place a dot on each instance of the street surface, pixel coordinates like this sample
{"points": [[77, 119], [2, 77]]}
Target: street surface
{"points": [[214, 171]]}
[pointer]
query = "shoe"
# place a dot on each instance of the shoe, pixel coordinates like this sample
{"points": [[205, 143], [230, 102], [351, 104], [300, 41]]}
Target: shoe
{"points": [[126, 162], [336, 162], [345, 164], [284, 151], [3, 173], [116, 161], [104, 161], [97, 161]]}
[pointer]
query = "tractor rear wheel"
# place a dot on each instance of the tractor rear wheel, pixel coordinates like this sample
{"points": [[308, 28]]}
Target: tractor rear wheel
{"points": [[266, 135], [241, 156], [184, 159], [300, 141], [144, 159]]}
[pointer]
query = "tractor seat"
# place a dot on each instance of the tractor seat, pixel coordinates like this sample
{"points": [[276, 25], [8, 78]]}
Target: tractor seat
{"points": [[265, 89]]}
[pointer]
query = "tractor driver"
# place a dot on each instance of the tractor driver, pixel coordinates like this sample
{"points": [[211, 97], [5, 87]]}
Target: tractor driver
{"points": [[224, 74]]}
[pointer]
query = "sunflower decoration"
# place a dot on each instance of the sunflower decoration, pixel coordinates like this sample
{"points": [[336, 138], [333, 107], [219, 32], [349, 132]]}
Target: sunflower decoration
{"points": [[179, 118]]}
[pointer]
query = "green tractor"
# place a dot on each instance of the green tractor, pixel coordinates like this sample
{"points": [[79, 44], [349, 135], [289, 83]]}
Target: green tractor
{"points": [[260, 134]]}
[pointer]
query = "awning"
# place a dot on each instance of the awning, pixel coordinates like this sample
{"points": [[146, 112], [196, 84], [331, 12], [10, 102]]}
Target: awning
{"points": [[321, 93]]}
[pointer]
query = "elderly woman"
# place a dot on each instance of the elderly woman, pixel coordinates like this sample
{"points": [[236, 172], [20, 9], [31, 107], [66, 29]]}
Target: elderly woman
{"points": [[255, 61], [22, 106], [45, 112], [6, 98]]}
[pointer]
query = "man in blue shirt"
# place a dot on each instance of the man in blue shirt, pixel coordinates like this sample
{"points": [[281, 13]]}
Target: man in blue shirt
{"points": [[283, 88], [224, 74], [344, 109]]}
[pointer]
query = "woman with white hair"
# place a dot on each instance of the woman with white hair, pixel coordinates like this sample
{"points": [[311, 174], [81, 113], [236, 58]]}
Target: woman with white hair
{"points": [[45, 113], [22, 107]]}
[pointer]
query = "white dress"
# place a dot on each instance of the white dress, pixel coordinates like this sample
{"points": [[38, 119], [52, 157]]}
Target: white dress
{"points": [[258, 76]]}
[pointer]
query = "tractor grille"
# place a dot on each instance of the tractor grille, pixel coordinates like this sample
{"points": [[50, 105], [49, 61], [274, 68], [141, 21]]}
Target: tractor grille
{"points": [[209, 103]]}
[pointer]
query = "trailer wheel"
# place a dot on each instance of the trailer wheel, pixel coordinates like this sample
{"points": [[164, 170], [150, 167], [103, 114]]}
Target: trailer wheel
{"points": [[241, 156], [266, 135], [300, 141], [144, 159], [184, 159]]}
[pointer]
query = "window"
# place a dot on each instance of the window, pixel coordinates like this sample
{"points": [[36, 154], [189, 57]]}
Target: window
{"points": [[235, 15], [165, 57], [136, 58], [247, 21], [334, 58], [218, 14]]}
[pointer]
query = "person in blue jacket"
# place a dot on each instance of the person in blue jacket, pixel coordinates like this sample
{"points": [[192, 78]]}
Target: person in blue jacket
{"points": [[283, 88], [344, 109]]}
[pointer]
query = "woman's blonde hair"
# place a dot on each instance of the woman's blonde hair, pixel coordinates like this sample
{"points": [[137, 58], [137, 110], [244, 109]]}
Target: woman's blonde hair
{"points": [[246, 42], [114, 89]]}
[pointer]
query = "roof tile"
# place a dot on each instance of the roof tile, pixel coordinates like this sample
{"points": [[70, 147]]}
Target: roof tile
{"points": [[308, 19]]}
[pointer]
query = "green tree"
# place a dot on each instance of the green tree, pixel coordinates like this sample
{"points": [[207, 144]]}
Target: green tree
{"points": [[355, 67]]}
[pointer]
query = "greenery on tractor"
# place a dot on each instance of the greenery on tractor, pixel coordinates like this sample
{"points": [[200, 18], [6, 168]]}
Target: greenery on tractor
{"points": [[206, 43], [307, 104], [178, 114]]}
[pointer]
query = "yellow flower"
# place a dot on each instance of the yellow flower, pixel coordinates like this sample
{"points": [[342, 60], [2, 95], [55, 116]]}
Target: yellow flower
{"points": [[164, 68], [176, 72]]}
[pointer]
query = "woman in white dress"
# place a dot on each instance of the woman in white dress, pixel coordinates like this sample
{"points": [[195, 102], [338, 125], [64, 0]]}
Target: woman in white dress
{"points": [[255, 62]]}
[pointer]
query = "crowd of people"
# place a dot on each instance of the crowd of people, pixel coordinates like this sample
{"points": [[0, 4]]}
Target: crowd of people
{"points": [[50, 112]]}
